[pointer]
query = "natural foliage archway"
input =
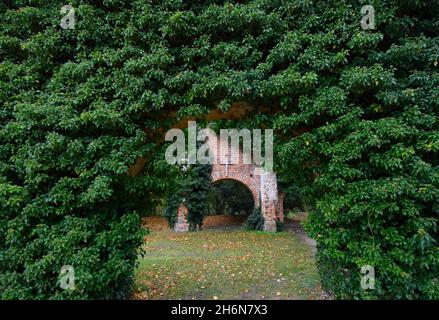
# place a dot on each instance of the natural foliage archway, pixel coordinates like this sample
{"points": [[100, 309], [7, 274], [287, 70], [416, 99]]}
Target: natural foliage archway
{"points": [[355, 114]]}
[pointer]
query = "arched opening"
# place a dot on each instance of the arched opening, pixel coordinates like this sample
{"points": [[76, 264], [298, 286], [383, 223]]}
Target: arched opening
{"points": [[230, 203]]}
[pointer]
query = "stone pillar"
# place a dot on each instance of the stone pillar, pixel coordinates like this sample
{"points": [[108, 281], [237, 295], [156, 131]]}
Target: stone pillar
{"points": [[269, 200], [280, 206], [182, 225]]}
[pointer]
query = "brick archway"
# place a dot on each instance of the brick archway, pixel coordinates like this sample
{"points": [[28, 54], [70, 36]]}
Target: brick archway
{"points": [[262, 185]]}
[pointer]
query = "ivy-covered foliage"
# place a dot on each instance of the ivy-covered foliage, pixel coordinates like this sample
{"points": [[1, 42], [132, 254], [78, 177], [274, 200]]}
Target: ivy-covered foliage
{"points": [[192, 189], [173, 201], [365, 146], [196, 191], [355, 114]]}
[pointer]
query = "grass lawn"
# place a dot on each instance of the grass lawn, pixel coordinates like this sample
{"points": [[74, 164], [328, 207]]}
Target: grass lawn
{"points": [[227, 263]]}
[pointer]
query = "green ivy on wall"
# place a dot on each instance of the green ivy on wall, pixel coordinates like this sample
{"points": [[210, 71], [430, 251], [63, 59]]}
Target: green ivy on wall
{"points": [[354, 112]]}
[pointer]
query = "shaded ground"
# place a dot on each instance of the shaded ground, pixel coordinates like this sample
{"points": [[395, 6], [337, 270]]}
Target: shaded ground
{"points": [[210, 222], [225, 262]]}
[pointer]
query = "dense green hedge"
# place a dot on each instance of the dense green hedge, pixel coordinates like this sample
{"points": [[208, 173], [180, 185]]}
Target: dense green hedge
{"points": [[197, 186], [173, 201], [366, 141], [355, 119], [192, 188]]}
